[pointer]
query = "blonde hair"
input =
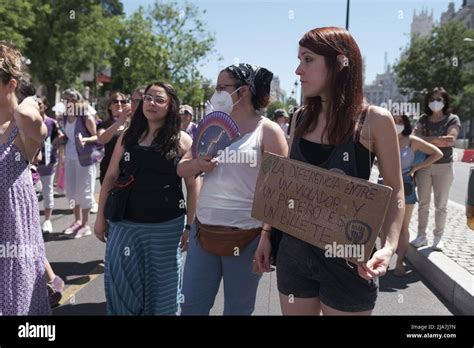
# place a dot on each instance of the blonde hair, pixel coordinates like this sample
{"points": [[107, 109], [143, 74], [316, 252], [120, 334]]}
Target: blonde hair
{"points": [[12, 64]]}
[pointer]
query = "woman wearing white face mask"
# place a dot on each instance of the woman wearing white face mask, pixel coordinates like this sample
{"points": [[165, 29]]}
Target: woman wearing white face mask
{"points": [[409, 145], [440, 128], [226, 197]]}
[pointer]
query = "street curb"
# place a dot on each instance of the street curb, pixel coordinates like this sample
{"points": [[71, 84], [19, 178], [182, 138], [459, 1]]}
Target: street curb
{"points": [[454, 283]]}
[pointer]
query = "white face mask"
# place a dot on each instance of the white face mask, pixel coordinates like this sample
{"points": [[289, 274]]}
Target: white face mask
{"points": [[436, 106], [399, 128], [222, 101]]}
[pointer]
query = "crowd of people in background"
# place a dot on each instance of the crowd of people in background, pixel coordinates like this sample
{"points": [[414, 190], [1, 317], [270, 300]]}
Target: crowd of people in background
{"points": [[143, 143]]}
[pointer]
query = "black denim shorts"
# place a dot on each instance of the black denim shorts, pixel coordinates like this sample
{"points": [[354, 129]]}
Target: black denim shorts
{"points": [[305, 272]]}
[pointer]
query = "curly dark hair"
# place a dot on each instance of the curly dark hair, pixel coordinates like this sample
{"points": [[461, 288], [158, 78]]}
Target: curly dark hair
{"points": [[406, 123], [167, 137]]}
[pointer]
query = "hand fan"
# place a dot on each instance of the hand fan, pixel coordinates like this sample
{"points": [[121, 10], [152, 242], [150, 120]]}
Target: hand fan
{"points": [[215, 132]]}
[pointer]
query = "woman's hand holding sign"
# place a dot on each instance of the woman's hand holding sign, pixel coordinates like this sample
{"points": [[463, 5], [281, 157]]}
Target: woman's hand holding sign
{"points": [[377, 266]]}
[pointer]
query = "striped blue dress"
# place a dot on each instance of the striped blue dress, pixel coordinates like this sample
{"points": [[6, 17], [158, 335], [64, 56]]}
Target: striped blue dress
{"points": [[143, 268]]}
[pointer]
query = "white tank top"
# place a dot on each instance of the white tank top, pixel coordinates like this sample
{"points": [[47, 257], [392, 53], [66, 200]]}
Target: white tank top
{"points": [[227, 192]]}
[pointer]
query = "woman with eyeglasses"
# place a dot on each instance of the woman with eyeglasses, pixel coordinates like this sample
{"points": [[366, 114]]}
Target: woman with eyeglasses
{"points": [[143, 255], [337, 130], [226, 197], [117, 118], [439, 127]]}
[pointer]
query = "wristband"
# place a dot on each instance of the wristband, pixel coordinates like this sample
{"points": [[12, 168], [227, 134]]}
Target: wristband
{"points": [[187, 227]]}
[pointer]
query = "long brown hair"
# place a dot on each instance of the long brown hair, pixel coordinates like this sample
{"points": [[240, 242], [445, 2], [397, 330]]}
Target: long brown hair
{"points": [[109, 118], [345, 99], [167, 138]]}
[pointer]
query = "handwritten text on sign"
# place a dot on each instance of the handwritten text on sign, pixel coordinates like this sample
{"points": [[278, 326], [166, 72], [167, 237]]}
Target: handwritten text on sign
{"points": [[319, 206]]}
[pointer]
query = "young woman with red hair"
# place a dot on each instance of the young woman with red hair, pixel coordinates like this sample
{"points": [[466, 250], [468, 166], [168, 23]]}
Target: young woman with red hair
{"points": [[336, 130]]}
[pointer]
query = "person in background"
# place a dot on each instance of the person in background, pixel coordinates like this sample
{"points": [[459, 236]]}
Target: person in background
{"points": [[281, 117], [186, 113], [47, 164], [137, 96], [439, 127], [409, 146], [117, 119], [80, 170]]}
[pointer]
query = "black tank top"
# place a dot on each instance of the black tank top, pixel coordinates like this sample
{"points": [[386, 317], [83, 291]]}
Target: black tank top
{"points": [[156, 194], [350, 158]]}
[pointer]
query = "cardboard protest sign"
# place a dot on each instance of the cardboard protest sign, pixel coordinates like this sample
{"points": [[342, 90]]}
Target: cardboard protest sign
{"points": [[340, 214]]}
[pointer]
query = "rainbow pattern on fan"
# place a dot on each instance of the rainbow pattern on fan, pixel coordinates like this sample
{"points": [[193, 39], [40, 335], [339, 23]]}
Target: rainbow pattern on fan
{"points": [[215, 132]]}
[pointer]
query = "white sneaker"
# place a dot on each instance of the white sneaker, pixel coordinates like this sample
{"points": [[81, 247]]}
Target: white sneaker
{"points": [[437, 244], [83, 232], [47, 226], [419, 241], [95, 208]]}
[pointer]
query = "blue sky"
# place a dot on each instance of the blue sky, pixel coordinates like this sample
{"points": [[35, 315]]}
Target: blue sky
{"points": [[266, 32]]}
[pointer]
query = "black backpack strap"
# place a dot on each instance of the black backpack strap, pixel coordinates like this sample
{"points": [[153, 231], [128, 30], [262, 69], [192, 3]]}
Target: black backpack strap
{"points": [[360, 123], [299, 114], [299, 117]]}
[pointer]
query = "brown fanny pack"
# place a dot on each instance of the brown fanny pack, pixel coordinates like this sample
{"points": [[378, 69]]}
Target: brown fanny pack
{"points": [[222, 240]]}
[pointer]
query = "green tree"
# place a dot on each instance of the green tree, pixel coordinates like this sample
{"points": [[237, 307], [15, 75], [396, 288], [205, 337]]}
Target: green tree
{"points": [[69, 36], [112, 7], [464, 102], [138, 55], [441, 59], [165, 42], [273, 106], [16, 16]]}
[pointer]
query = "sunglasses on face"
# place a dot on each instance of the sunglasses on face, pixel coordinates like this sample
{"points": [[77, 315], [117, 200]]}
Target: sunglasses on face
{"points": [[119, 101], [436, 99]]}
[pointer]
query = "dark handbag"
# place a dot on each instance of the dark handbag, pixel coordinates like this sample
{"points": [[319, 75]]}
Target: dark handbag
{"points": [[222, 240], [116, 203]]}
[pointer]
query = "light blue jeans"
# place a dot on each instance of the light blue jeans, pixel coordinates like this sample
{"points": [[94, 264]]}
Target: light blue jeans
{"points": [[203, 272]]}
